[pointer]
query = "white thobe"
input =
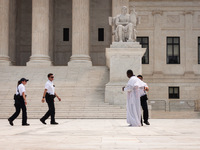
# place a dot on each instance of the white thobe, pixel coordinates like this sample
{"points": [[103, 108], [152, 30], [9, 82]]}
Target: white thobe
{"points": [[133, 101]]}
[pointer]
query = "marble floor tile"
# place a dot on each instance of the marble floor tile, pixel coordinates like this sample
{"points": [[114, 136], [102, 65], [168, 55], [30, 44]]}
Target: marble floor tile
{"points": [[100, 134]]}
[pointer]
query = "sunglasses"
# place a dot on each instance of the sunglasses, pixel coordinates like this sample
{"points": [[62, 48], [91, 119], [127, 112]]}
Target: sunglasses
{"points": [[52, 77]]}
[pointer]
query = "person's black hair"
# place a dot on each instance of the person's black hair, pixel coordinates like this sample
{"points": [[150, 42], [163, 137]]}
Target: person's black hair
{"points": [[140, 76], [129, 72], [50, 74], [19, 82]]}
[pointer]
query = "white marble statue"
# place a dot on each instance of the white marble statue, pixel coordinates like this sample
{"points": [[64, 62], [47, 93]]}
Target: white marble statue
{"points": [[125, 25]]}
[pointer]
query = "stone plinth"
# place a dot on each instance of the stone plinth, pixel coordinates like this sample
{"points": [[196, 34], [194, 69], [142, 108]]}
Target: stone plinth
{"points": [[80, 61], [5, 61], [120, 58], [39, 60]]}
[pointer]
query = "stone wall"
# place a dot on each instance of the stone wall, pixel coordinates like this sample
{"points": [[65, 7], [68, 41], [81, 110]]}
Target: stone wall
{"points": [[161, 19], [23, 31], [62, 19], [100, 10], [170, 18]]}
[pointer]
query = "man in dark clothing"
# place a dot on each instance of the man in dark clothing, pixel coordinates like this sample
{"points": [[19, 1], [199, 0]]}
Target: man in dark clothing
{"points": [[143, 100]]}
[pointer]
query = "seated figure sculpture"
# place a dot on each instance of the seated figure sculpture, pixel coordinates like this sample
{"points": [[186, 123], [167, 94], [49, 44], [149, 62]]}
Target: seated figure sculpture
{"points": [[125, 25]]}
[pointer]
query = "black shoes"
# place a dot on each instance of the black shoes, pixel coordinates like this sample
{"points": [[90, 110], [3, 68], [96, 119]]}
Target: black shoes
{"points": [[11, 122], [43, 121], [25, 124], [147, 122], [54, 123]]}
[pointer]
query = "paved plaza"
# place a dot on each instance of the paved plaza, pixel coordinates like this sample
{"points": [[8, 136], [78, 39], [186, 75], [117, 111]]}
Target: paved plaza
{"points": [[100, 134]]}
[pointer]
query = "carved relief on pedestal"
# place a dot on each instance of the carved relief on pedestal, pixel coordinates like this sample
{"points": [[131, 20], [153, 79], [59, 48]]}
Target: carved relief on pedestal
{"points": [[173, 19], [144, 19], [196, 21]]}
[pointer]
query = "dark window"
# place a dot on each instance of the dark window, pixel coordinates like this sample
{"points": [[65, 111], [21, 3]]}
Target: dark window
{"points": [[101, 34], [144, 41], [173, 92], [199, 50], [173, 50], [65, 34]]}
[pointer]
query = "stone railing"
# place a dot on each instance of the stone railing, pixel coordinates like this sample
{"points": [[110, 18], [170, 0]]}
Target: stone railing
{"points": [[197, 105], [175, 105], [181, 105], [158, 105]]}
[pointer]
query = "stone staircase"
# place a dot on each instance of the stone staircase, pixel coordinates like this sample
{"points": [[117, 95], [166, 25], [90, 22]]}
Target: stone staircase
{"points": [[82, 92]]}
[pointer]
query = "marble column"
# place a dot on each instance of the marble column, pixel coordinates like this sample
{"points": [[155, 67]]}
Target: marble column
{"points": [[80, 33], [158, 56], [4, 33], [12, 31], [40, 33], [190, 52]]}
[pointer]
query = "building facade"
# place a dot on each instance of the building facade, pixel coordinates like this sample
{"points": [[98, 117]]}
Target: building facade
{"points": [[56, 32]]}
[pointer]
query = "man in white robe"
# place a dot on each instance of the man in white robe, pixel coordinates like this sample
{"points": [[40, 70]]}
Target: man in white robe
{"points": [[133, 99]]}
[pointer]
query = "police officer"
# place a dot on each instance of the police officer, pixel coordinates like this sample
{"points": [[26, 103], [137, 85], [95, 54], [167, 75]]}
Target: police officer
{"points": [[49, 94], [20, 103], [143, 100]]}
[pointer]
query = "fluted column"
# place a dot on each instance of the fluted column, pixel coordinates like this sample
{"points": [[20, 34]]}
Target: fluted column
{"points": [[4, 33], [40, 33], [12, 31], [80, 33]]}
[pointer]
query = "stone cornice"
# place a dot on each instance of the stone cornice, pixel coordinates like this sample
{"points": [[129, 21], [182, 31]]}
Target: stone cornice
{"points": [[157, 12]]}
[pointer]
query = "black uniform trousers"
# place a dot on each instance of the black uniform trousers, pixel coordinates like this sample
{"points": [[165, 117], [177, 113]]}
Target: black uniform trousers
{"points": [[51, 111], [143, 100], [20, 104]]}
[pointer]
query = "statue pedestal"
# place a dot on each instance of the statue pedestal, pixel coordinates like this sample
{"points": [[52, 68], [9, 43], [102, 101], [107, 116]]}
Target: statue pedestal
{"points": [[121, 57]]}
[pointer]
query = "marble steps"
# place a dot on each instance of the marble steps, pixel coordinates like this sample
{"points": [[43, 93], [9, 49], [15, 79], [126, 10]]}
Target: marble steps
{"points": [[60, 104], [73, 116], [82, 91], [67, 109], [70, 108], [73, 113]]}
